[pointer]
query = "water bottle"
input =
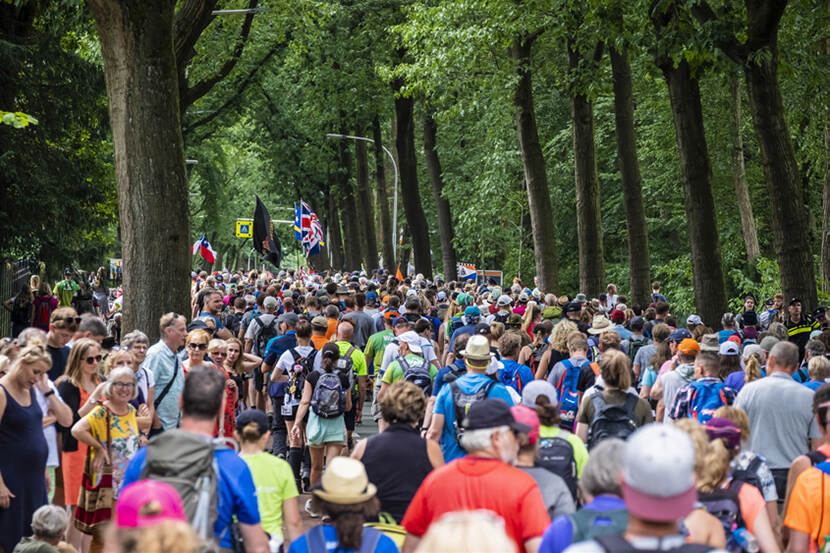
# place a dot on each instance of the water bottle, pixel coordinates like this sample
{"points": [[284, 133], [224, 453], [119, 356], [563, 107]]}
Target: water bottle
{"points": [[746, 540]]}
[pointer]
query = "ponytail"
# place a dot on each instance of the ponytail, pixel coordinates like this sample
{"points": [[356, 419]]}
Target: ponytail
{"points": [[752, 372]]}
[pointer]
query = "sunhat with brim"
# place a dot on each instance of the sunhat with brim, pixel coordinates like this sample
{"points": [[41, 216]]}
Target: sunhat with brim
{"points": [[345, 482], [599, 325], [477, 349], [658, 482]]}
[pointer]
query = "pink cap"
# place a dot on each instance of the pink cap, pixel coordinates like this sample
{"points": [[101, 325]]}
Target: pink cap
{"points": [[525, 415], [159, 501]]}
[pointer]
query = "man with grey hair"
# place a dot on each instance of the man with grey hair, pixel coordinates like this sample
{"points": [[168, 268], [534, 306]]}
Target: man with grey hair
{"points": [[781, 421], [604, 511], [91, 327], [48, 525], [814, 348], [483, 480]]}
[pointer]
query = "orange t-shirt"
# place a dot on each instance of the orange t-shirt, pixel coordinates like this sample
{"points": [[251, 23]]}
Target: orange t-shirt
{"points": [[751, 503], [808, 510], [318, 342], [332, 328]]}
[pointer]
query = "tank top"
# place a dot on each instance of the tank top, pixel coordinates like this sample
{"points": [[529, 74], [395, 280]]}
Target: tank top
{"points": [[396, 461]]}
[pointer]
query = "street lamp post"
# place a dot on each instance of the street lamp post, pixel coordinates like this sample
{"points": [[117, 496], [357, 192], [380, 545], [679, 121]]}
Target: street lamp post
{"points": [[395, 195]]}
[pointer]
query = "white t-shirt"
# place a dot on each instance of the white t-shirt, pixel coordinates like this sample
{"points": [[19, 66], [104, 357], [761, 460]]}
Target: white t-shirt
{"points": [[146, 380], [49, 432], [286, 364]]}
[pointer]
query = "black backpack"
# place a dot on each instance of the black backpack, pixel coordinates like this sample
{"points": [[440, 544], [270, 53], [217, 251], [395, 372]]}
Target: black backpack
{"points": [[266, 332], [417, 374], [461, 403], [536, 356], [557, 456], [749, 475], [233, 322], [296, 380], [454, 373], [501, 317], [611, 421], [345, 365], [725, 505]]}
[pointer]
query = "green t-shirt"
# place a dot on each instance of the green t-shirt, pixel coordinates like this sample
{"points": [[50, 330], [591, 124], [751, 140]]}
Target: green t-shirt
{"points": [[274, 483], [65, 289], [377, 345], [358, 360], [394, 372], [580, 451]]}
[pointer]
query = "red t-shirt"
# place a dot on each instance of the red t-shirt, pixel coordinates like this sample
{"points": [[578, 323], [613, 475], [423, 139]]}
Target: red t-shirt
{"points": [[472, 483]]}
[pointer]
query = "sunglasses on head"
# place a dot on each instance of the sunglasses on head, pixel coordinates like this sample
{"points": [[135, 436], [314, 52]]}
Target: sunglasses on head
{"points": [[69, 320], [96, 359], [193, 345]]}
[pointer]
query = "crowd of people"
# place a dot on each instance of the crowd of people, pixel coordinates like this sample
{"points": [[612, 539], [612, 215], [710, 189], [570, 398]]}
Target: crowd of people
{"points": [[508, 419]]}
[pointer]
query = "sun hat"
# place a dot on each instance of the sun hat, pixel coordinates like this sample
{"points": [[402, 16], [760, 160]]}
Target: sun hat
{"points": [[689, 347], [412, 340], [729, 348], [694, 320], [533, 390], [492, 413], [709, 342], [599, 325], [514, 320], [580, 298], [320, 322], [528, 416], [573, 307], [562, 301], [147, 503], [345, 482], [477, 348], [658, 478]]}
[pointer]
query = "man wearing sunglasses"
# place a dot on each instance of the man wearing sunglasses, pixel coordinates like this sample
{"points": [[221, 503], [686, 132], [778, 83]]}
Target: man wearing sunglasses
{"points": [[163, 361], [62, 327]]}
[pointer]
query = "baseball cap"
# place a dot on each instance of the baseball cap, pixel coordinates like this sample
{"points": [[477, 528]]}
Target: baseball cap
{"points": [[689, 347], [147, 503], [371, 297], [290, 318], [197, 324], [482, 328], [725, 429], [528, 416], [729, 348], [270, 301], [472, 311], [441, 296], [411, 339], [504, 300], [658, 479], [694, 320], [533, 390], [794, 300], [320, 322], [573, 307], [679, 335], [253, 415], [750, 350], [491, 413]]}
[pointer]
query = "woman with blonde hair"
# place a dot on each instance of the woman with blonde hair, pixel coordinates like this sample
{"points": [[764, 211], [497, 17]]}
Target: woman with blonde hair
{"points": [[558, 350], [196, 345], [81, 389], [240, 365], [467, 532]]}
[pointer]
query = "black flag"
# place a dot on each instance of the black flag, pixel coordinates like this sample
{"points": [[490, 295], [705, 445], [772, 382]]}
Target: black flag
{"points": [[265, 239]]}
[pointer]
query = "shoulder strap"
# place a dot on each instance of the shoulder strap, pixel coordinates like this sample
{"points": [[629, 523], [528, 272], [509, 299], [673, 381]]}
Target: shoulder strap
{"points": [[824, 467], [488, 387], [294, 354], [369, 541], [630, 404], [316, 540], [169, 385], [404, 365], [595, 368], [259, 322], [816, 457], [614, 543]]}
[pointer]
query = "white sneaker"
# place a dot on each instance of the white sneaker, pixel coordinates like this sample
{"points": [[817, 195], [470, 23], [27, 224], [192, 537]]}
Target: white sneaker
{"points": [[308, 510]]}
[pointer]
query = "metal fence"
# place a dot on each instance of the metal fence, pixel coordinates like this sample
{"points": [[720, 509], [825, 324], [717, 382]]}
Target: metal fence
{"points": [[12, 275]]}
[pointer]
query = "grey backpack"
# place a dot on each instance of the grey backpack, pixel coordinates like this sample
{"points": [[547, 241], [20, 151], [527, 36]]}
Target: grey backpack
{"points": [[328, 400]]}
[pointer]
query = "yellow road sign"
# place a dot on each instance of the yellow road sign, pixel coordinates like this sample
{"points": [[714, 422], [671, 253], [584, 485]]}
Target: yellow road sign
{"points": [[244, 228]]}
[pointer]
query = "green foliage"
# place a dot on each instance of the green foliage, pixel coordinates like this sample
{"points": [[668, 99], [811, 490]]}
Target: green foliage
{"points": [[17, 119]]}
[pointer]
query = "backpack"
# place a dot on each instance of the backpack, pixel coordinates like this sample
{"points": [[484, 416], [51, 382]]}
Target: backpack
{"points": [[417, 374], [296, 380], [557, 456], [749, 475], [345, 365], [634, 346], [501, 317], [21, 313], [316, 540], [461, 403], [44, 312], [328, 400], [705, 400], [590, 524], [536, 356], [615, 543], [610, 420], [455, 324], [510, 377], [568, 395], [816, 457], [233, 322], [266, 332], [454, 373], [186, 461], [725, 505]]}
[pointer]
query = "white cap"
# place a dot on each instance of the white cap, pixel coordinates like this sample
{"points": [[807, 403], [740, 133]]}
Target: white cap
{"points": [[412, 340], [504, 300]]}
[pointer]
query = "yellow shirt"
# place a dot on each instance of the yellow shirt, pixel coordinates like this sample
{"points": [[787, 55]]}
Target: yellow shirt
{"points": [[123, 439]]}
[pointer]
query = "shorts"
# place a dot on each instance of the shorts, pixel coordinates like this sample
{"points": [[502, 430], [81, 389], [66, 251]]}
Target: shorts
{"points": [[293, 414], [349, 418], [376, 415], [259, 379], [320, 431]]}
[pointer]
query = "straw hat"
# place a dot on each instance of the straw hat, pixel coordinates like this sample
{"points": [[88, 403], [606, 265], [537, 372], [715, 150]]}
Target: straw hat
{"points": [[478, 348], [345, 482], [599, 325]]}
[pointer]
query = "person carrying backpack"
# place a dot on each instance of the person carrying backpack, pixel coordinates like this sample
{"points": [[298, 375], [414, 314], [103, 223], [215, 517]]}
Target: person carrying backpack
{"points": [[512, 373], [658, 488], [612, 411], [325, 400], [456, 397], [572, 377], [700, 399], [215, 484], [410, 366]]}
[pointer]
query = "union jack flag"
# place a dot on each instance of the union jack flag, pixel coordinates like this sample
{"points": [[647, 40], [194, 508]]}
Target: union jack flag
{"points": [[310, 229]]}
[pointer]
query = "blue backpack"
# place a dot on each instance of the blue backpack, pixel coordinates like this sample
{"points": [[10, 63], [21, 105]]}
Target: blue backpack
{"points": [[568, 395], [707, 397], [509, 376]]}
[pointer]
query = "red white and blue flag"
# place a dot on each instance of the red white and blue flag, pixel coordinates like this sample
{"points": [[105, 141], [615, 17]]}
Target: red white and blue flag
{"points": [[467, 271], [307, 229], [203, 247]]}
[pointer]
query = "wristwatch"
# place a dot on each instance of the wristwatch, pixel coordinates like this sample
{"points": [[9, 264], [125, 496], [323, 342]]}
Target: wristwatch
{"points": [[49, 393]]}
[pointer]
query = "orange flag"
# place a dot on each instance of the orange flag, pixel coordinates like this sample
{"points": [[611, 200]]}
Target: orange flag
{"points": [[398, 274]]}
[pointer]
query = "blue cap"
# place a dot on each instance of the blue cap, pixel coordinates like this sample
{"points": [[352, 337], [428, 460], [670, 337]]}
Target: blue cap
{"points": [[679, 335], [371, 296], [472, 311]]}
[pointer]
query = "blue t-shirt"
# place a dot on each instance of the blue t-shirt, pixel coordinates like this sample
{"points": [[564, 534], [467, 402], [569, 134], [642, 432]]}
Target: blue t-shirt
{"points": [[559, 534], [219, 323], [300, 545], [466, 329], [525, 375], [737, 379], [724, 335], [470, 383], [438, 383], [815, 384], [273, 351], [236, 491]]}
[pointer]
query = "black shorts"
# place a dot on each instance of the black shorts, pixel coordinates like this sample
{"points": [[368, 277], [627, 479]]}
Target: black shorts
{"points": [[293, 414], [259, 378], [349, 418]]}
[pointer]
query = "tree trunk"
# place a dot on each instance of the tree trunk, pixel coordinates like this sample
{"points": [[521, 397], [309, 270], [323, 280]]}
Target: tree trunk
{"points": [[415, 218], [348, 208], [753, 251], [334, 243], [367, 211], [383, 198], [533, 162], [142, 88], [632, 184], [588, 214], [442, 205], [684, 93], [791, 236], [825, 227]]}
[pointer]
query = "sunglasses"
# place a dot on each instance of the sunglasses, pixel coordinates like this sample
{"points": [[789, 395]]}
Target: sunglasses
{"points": [[69, 320], [200, 347], [96, 359]]}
